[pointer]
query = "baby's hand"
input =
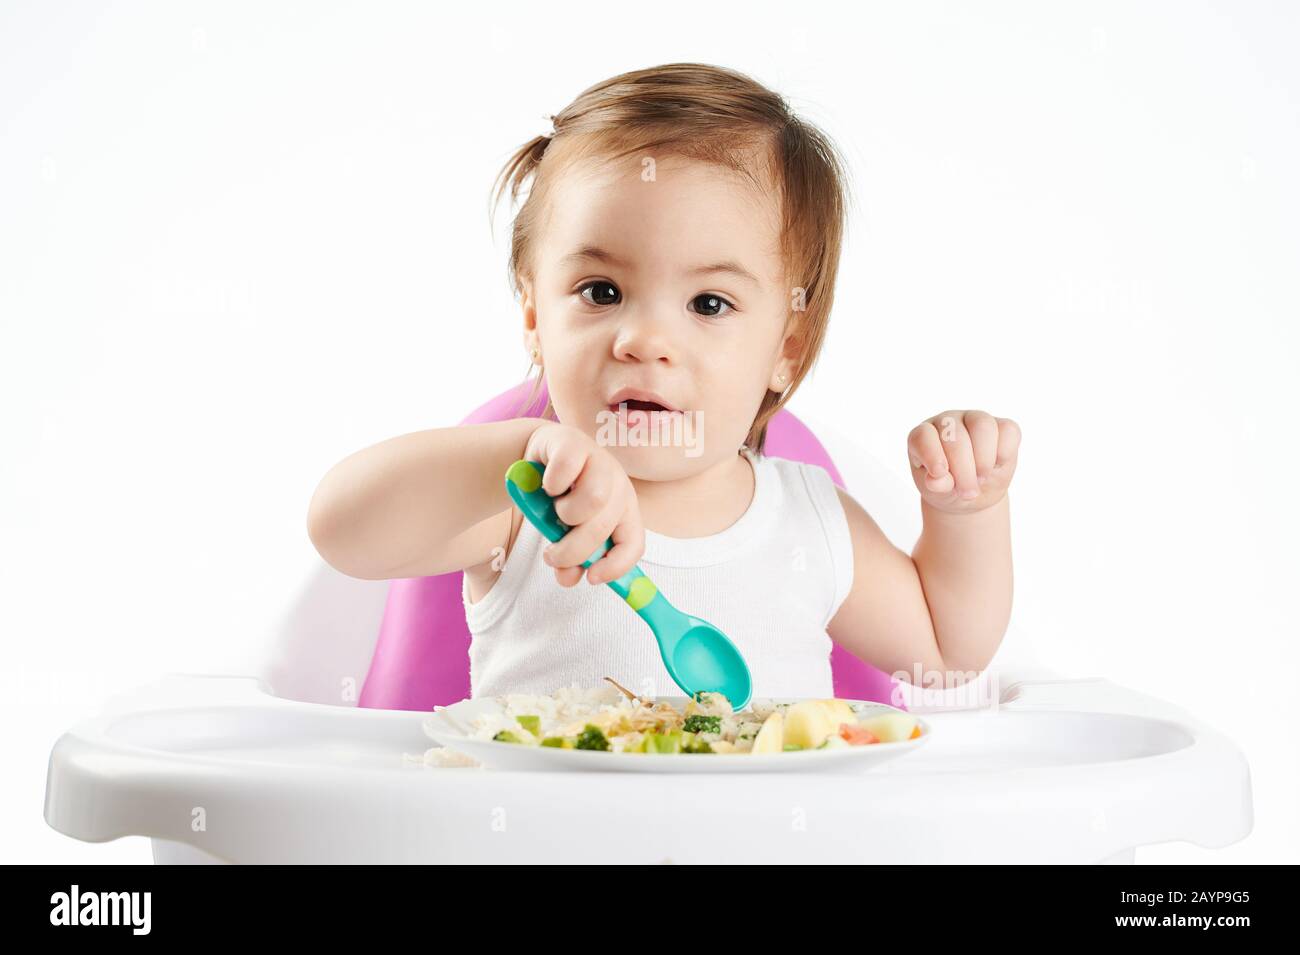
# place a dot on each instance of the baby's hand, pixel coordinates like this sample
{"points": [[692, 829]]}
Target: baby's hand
{"points": [[600, 502], [962, 461]]}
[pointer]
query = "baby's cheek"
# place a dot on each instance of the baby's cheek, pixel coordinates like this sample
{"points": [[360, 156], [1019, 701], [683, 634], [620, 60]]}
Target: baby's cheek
{"points": [[729, 422]]}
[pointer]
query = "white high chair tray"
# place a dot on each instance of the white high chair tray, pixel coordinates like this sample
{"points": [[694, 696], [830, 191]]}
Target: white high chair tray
{"points": [[215, 769]]}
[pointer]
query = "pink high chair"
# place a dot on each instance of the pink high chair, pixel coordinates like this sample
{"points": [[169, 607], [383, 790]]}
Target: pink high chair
{"points": [[421, 658]]}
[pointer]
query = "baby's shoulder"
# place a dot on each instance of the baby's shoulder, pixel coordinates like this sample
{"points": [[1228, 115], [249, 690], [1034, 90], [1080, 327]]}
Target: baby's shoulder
{"points": [[813, 489], [802, 478]]}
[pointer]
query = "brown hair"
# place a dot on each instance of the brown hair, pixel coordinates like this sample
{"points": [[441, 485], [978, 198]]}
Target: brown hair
{"points": [[716, 115]]}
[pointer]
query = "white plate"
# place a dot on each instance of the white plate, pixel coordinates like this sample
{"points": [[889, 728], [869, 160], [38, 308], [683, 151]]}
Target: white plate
{"points": [[513, 756]]}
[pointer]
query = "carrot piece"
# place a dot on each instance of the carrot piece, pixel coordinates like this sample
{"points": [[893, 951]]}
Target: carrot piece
{"points": [[857, 735]]}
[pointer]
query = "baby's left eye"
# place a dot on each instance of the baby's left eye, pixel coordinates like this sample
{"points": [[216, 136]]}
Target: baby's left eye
{"points": [[711, 306]]}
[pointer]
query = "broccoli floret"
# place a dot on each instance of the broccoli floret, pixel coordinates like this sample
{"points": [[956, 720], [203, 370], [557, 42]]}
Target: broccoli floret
{"points": [[698, 723], [592, 738]]}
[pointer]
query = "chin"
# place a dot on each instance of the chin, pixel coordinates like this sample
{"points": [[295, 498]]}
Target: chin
{"points": [[659, 463]]}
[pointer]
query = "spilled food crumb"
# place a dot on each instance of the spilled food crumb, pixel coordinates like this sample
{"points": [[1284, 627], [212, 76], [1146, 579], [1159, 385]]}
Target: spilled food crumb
{"points": [[439, 757]]}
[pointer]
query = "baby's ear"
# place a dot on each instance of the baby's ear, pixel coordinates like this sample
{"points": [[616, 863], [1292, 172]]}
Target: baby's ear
{"points": [[528, 304], [791, 352], [792, 344]]}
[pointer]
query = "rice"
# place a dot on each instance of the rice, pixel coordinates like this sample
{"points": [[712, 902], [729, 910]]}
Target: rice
{"points": [[564, 712], [443, 758]]}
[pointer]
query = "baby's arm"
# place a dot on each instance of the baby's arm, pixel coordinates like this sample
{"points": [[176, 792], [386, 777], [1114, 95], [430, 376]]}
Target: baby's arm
{"points": [[420, 504], [944, 609]]}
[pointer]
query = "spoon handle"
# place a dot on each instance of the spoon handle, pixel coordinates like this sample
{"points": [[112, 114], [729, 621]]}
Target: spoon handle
{"points": [[524, 485]]}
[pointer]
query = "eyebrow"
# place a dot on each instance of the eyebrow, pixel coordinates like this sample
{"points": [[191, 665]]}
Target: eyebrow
{"points": [[592, 252]]}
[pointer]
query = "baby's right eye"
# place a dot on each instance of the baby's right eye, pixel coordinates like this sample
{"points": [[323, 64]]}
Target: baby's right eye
{"points": [[609, 294]]}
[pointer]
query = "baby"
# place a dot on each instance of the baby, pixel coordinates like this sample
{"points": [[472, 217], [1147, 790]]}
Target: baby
{"points": [[675, 263]]}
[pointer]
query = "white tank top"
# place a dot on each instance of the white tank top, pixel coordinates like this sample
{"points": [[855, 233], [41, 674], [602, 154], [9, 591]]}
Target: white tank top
{"points": [[771, 582]]}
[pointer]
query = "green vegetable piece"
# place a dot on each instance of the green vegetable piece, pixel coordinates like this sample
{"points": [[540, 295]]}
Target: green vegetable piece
{"points": [[506, 736], [531, 723], [791, 747], [664, 742], [591, 738], [694, 743], [558, 742], [699, 723]]}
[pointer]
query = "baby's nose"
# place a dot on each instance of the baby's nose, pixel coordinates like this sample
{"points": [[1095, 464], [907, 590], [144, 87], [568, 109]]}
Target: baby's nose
{"points": [[644, 338]]}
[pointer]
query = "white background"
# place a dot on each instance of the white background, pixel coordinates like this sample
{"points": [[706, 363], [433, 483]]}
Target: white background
{"points": [[240, 241]]}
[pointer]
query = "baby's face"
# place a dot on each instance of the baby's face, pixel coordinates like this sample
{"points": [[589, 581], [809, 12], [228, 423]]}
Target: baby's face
{"points": [[672, 288]]}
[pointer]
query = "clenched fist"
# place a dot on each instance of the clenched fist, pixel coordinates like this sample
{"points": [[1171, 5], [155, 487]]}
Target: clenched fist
{"points": [[595, 497], [962, 461]]}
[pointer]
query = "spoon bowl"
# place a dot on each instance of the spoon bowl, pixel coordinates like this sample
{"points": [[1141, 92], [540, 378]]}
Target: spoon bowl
{"points": [[706, 657]]}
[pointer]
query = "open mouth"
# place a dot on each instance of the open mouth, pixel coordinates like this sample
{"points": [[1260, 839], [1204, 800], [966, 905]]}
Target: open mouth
{"points": [[636, 404]]}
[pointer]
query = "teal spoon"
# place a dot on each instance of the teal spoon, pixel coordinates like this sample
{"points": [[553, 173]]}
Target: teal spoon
{"points": [[698, 656]]}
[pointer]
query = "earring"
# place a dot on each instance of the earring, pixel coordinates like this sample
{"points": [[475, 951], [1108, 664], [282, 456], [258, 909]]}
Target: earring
{"points": [[535, 355], [780, 380]]}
